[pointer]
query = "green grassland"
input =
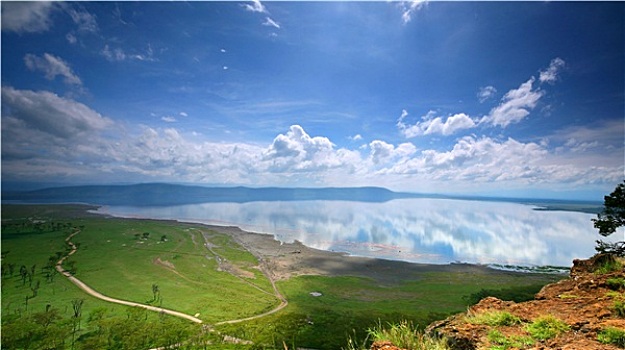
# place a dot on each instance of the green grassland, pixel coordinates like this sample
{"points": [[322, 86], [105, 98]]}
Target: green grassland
{"points": [[125, 258]]}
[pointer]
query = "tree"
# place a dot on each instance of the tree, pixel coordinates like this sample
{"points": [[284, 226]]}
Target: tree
{"points": [[155, 291], [610, 219]]}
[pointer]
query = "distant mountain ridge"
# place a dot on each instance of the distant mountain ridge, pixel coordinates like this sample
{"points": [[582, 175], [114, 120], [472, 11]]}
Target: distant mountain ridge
{"points": [[160, 194]]}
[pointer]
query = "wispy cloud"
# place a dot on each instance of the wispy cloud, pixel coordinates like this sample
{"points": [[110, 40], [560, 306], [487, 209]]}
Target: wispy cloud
{"points": [[515, 105], [52, 67], [27, 17], [409, 8], [255, 6], [486, 93], [85, 21], [550, 75], [169, 119], [271, 23]]}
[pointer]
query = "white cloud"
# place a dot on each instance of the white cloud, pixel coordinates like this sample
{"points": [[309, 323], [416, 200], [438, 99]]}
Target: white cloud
{"points": [[550, 75], [255, 6], [51, 114], [223, 50], [52, 66], [382, 151], [515, 105], [356, 137], [271, 23], [71, 38], [408, 8], [27, 17], [85, 21], [113, 54], [184, 114], [169, 119], [486, 93], [435, 125]]}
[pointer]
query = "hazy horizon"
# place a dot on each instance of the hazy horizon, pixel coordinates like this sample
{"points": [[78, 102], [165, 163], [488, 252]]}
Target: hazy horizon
{"points": [[506, 99]]}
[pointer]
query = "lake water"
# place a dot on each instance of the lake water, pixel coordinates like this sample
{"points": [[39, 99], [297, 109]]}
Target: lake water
{"points": [[420, 230]]}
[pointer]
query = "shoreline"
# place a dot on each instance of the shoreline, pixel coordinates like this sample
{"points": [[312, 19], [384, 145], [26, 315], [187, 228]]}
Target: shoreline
{"points": [[286, 260]]}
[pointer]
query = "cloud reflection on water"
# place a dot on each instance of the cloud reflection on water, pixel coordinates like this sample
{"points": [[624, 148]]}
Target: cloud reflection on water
{"points": [[417, 230]]}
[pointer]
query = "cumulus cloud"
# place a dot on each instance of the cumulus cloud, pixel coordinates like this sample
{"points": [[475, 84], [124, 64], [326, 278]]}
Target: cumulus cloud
{"points": [[27, 17], [52, 67], [382, 151], [515, 105], [486, 93], [550, 75], [430, 124], [49, 113]]}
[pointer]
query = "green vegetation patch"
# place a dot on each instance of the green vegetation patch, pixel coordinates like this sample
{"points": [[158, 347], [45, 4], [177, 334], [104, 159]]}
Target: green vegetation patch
{"points": [[493, 318], [500, 341], [405, 335], [546, 327], [611, 335], [615, 283]]}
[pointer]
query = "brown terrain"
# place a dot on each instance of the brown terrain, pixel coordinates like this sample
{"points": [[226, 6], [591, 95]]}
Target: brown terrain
{"points": [[585, 302]]}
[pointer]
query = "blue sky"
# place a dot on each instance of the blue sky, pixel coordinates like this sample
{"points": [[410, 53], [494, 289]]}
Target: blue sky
{"points": [[493, 98]]}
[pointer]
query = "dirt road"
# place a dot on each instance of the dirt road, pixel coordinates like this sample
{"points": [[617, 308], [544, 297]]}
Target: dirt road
{"points": [[92, 292]]}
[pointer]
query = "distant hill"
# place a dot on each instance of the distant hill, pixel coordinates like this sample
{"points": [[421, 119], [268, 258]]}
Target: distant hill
{"points": [[157, 194]]}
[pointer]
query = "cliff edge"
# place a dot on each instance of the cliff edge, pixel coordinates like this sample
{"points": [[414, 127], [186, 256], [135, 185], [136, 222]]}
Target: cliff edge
{"points": [[584, 311]]}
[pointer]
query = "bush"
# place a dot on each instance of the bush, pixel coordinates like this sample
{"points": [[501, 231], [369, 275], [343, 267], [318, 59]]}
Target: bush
{"points": [[493, 318], [546, 327], [615, 283], [609, 266], [612, 336]]}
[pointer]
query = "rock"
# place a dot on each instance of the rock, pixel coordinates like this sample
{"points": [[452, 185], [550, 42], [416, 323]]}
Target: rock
{"points": [[582, 301]]}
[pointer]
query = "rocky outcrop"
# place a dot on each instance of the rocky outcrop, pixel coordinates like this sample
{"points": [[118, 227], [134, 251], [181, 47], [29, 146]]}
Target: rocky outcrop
{"points": [[587, 302]]}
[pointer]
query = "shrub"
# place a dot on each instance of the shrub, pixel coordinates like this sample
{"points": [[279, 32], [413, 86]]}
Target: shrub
{"points": [[612, 336], [615, 283], [493, 318], [609, 266], [546, 327]]}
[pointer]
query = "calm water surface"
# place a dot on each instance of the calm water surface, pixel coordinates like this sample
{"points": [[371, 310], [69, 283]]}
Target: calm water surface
{"points": [[417, 230]]}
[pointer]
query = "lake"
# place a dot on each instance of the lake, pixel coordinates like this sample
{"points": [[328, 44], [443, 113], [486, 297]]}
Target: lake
{"points": [[422, 230]]}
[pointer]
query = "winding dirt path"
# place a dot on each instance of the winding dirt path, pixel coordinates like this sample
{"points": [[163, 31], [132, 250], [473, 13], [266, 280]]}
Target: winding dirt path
{"points": [[276, 292], [100, 296]]}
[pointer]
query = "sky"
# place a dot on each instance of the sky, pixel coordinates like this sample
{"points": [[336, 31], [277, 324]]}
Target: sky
{"points": [[518, 99]]}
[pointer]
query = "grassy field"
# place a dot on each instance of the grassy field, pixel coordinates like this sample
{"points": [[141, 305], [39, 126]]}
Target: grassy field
{"points": [[198, 271]]}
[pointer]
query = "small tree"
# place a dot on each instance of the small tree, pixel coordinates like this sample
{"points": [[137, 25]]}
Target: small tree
{"points": [[612, 217]]}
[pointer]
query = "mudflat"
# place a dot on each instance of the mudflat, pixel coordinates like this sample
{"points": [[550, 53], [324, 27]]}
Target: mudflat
{"points": [[285, 260]]}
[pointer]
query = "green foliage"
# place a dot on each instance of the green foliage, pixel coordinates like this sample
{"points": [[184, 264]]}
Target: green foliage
{"points": [[502, 342], [615, 283], [406, 336], [493, 318], [517, 294], [612, 217], [546, 327], [611, 335], [610, 265], [618, 307]]}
